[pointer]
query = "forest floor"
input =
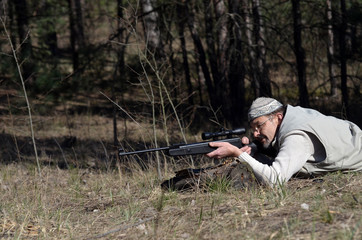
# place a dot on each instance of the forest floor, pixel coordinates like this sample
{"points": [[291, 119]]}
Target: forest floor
{"points": [[83, 192]]}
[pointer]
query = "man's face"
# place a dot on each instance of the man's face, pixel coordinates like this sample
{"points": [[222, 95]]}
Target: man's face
{"points": [[264, 129]]}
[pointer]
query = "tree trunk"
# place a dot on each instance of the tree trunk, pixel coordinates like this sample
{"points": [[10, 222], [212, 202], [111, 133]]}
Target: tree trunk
{"points": [[225, 89], [79, 22], [11, 19], [26, 51], [152, 32], [200, 54], [119, 76], [199, 83], [230, 84], [220, 82], [74, 43], [330, 50], [251, 50], [77, 40], [181, 29], [343, 58], [265, 87], [229, 87], [48, 37], [254, 32], [237, 69], [210, 40], [300, 55]]}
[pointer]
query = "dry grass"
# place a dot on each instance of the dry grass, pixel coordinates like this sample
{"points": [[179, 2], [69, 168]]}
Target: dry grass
{"points": [[83, 203], [124, 201]]}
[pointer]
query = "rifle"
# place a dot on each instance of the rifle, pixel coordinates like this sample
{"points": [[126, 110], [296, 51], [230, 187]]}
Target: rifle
{"points": [[198, 147]]}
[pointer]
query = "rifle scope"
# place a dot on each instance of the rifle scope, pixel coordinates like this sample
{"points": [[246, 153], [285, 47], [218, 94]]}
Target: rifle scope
{"points": [[222, 133]]}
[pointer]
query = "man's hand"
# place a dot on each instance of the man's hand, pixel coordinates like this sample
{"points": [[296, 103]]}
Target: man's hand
{"points": [[225, 149]]}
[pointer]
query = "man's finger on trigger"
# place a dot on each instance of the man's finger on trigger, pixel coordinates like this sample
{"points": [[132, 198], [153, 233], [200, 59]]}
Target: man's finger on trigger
{"points": [[214, 144]]}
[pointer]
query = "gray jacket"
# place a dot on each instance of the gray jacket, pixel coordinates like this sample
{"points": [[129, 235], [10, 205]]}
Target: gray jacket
{"points": [[342, 140]]}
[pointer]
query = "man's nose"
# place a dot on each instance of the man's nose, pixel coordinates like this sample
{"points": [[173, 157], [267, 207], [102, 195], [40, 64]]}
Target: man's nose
{"points": [[256, 133]]}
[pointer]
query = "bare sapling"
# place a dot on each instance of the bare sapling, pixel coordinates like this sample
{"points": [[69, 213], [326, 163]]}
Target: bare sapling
{"points": [[13, 50], [163, 88]]}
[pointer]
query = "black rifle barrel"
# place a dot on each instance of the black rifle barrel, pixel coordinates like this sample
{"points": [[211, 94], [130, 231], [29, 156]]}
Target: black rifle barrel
{"points": [[121, 152]]}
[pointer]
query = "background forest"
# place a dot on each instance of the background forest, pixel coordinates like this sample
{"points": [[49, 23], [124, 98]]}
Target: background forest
{"points": [[180, 65]]}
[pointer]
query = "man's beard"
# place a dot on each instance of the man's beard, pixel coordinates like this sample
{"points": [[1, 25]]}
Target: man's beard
{"points": [[266, 144], [265, 147]]}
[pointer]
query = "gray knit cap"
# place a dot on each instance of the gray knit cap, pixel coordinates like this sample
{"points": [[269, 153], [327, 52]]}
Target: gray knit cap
{"points": [[263, 106]]}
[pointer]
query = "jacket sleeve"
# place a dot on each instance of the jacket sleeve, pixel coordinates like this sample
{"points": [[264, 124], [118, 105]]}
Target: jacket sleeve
{"points": [[294, 152]]}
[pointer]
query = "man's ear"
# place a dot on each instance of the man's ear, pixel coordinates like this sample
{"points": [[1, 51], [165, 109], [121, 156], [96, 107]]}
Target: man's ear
{"points": [[279, 117]]}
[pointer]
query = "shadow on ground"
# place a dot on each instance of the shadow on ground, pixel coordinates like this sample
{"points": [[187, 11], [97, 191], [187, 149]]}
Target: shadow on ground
{"points": [[69, 152], [62, 151]]}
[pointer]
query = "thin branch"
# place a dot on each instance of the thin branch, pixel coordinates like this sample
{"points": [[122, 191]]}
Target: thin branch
{"points": [[121, 109]]}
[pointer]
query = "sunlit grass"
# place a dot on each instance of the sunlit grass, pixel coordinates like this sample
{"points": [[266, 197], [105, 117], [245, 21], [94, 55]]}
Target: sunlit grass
{"points": [[83, 203]]}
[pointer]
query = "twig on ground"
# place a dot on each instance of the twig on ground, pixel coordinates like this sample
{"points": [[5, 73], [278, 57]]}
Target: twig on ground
{"points": [[122, 227]]}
